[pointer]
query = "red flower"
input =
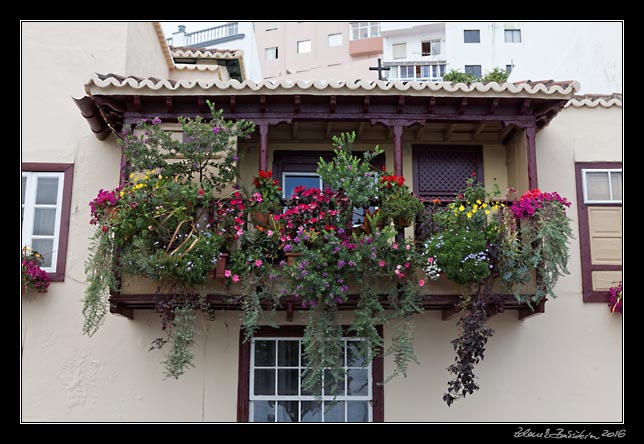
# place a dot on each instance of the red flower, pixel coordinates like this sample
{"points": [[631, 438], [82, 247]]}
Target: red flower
{"points": [[201, 192]]}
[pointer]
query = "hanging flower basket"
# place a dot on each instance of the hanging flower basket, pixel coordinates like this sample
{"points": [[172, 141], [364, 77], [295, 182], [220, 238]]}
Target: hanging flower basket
{"points": [[292, 258], [402, 222]]}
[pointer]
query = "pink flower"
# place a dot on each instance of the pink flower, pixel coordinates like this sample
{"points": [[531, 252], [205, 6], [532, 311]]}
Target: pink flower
{"points": [[394, 246], [269, 233], [407, 247], [227, 273], [421, 283], [258, 263], [381, 263], [236, 278], [216, 130], [407, 265], [430, 260]]}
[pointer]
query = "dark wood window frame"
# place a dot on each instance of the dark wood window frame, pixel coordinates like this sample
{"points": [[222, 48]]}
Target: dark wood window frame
{"points": [[295, 331], [68, 173], [587, 267], [476, 150]]}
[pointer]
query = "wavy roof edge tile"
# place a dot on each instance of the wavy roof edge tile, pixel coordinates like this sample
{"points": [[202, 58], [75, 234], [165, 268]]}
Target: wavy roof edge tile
{"points": [[595, 100], [113, 83], [206, 53]]}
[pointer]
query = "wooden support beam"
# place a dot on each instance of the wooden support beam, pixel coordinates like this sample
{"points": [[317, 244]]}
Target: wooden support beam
{"points": [[262, 104], [447, 313], [390, 133], [449, 132], [297, 103], [401, 104], [461, 107], [495, 104], [431, 104], [201, 104], [506, 134], [332, 104], [526, 312], [365, 104], [296, 129], [478, 130], [398, 165], [137, 104], [524, 106], [531, 149], [420, 131], [122, 311], [232, 104], [263, 147], [169, 104]]}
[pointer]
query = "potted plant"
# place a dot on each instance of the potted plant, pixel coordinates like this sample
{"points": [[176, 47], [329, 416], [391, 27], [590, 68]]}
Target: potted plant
{"points": [[616, 298], [265, 199], [397, 203], [33, 276]]}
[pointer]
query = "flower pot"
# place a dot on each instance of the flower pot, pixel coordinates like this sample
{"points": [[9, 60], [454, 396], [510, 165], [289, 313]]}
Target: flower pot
{"points": [[402, 222], [222, 263], [292, 258], [260, 218], [111, 212]]}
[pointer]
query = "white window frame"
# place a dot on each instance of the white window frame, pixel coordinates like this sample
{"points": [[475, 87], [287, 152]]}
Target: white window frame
{"points": [[512, 33], [266, 52], [397, 48], [584, 172], [285, 174], [29, 212], [335, 35], [358, 26], [304, 41], [276, 398]]}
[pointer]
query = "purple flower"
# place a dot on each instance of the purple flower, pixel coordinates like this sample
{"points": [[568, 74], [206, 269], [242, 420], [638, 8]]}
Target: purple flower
{"points": [[156, 121], [216, 129]]}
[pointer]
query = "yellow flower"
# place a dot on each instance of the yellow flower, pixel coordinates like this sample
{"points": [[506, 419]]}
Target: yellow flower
{"points": [[160, 176], [461, 208], [475, 206], [469, 214], [131, 175], [478, 201], [122, 193], [495, 207], [484, 205], [474, 210], [487, 212], [502, 205]]}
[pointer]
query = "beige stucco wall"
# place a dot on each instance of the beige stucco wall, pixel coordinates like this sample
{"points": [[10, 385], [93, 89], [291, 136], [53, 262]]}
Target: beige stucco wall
{"points": [[144, 55]]}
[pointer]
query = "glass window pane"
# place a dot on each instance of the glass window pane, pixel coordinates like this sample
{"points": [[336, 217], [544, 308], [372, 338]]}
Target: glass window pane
{"points": [[358, 411], [24, 189], [288, 353], [263, 411], [355, 33], [616, 183], [44, 247], [334, 411], [264, 353], [287, 411], [375, 32], [47, 190], [436, 48], [355, 357], [317, 390], [357, 382], [44, 221], [293, 181], [311, 411], [597, 186], [332, 386], [287, 381], [264, 382]]}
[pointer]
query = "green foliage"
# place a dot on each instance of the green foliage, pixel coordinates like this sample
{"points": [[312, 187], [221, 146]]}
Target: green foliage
{"points": [[497, 75], [456, 76], [180, 355], [100, 275]]}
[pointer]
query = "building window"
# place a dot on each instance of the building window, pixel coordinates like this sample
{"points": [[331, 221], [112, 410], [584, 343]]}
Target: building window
{"points": [[441, 171], [602, 186], [407, 72], [508, 68], [512, 36], [423, 72], [599, 210], [432, 47], [364, 30], [475, 70], [46, 201], [270, 382], [271, 53], [399, 50], [292, 180], [303, 46], [442, 69], [335, 39], [472, 36]]}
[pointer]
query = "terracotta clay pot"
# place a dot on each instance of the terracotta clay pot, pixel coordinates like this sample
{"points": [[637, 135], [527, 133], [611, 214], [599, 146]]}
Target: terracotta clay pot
{"points": [[260, 218], [292, 258]]}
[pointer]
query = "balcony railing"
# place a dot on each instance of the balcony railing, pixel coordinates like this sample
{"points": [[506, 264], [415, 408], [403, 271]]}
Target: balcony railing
{"points": [[204, 36]]}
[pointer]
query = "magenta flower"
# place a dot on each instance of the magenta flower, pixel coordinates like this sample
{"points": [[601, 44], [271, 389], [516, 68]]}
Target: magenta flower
{"points": [[227, 273], [236, 278], [421, 283], [258, 263]]}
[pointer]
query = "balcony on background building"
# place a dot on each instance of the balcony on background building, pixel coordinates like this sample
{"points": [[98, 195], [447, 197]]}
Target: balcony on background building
{"points": [[206, 37]]}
